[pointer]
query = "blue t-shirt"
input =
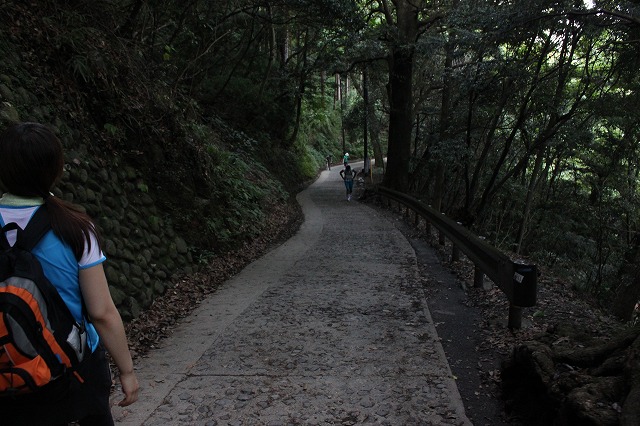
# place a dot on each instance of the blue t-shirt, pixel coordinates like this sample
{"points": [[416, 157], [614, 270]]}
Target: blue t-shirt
{"points": [[57, 259]]}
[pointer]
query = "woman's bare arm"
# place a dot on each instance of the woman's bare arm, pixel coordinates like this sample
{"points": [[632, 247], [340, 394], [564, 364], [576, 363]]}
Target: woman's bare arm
{"points": [[107, 321]]}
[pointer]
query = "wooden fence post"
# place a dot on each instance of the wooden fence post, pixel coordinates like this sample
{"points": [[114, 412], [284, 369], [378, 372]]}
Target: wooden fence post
{"points": [[455, 253], [515, 317], [478, 277]]}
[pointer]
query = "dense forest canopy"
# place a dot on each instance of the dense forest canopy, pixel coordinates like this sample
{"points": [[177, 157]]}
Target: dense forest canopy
{"points": [[517, 118]]}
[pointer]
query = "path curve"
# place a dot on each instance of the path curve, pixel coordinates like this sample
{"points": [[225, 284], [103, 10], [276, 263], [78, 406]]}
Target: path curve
{"points": [[330, 328]]}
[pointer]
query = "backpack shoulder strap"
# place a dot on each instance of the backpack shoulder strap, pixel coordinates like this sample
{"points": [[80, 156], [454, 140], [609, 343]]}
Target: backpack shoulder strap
{"points": [[38, 226], [4, 243]]}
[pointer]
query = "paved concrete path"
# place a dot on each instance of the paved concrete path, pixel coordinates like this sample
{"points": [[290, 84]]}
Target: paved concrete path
{"points": [[331, 328]]}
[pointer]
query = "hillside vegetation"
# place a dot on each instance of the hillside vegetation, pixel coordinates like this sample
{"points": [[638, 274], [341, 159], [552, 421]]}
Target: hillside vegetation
{"points": [[504, 117], [170, 186]]}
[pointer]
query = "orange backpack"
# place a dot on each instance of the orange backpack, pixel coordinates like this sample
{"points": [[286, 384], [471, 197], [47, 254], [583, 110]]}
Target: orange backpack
{"points": [[40, 341]]}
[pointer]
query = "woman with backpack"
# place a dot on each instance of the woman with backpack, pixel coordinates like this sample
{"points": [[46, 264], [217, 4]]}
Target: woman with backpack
{"points": [[31, 163]]}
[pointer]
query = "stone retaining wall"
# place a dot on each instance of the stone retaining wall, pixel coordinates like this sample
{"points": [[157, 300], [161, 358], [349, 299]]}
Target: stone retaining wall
{"points": [[144, 252]]}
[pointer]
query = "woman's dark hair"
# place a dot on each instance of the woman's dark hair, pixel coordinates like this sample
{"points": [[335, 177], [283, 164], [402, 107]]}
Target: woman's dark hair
{"points": [[31, 163]]}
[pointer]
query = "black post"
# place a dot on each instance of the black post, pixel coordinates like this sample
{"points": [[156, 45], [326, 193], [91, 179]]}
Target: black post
{"points": [[525, 285]]}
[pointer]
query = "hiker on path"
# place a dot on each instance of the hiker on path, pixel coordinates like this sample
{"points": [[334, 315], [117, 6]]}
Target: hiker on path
{"points": [[345, 159], [31, 163], [347, 175]]}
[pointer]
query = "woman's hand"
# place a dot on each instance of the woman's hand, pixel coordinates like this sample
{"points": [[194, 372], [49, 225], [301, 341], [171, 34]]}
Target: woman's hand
{"points": [[130, 388]]}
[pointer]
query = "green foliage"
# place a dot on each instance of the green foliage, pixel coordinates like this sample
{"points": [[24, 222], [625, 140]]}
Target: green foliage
{"points": [[168, 52], [80, 67], [241, 103], [319, 136], [114, 132], [77, 46], [310, 162], [154, 221], [538, 136], [353, 124], [241, 195], [142, 187]]}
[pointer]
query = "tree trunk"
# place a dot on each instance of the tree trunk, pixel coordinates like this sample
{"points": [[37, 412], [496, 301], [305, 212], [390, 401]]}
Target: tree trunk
{"points": [[271, 45], [302, 83], [533, 183], [628, 292], [400, 123], [445, 123], [374, 131], [401, 98]]}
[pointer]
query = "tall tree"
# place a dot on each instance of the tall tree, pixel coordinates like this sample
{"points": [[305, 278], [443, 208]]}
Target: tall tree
{"points": [[401, 59], [404, 22]]}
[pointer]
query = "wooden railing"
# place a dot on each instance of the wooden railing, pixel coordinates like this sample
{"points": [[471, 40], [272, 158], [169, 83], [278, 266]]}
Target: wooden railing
{"points": [[517, 280]]}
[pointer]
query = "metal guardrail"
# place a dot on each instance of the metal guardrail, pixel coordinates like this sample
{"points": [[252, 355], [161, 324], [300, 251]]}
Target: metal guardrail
{"points": [[517, 280]]}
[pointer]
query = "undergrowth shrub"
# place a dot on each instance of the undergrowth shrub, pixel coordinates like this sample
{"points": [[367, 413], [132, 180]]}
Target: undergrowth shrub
{"points": [[242, 193]]}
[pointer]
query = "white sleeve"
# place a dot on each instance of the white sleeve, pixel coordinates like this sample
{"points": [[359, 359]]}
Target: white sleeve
{"points": [[93, 256]]}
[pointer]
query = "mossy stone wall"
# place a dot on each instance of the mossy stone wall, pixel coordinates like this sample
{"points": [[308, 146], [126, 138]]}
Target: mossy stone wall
{"points": [[145, 255]]}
